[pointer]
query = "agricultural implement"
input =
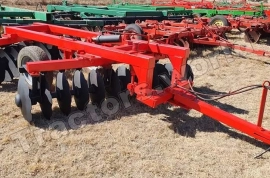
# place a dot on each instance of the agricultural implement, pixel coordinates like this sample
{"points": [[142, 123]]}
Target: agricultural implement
{"points": [[98, 16], [170, 9], [151, 82], [109, 18], [185, 33], [86, 15], [249, 21], [212, 8], [91, 18]]}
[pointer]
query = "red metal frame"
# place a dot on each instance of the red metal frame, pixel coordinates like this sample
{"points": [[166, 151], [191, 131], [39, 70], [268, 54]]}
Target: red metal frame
{"points": [[185, 4], [167, 32], [140, 56], [204, 4]]}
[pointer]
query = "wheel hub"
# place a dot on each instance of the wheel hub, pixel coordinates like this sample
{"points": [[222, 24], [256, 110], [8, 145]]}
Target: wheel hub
{"points": [[218, 23]]}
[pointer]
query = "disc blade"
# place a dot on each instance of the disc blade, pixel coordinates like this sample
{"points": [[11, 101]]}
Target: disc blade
{"points": [[11, 54], [3, 66], [112, 84], [63, 93], [25, 100], [46, 99], [96, 87], [252, 36], [247, 38], [80, 87], [255, 36], [124, 76]]}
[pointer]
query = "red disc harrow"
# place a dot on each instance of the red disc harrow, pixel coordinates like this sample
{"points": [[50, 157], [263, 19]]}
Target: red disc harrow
{"points": [[151, 82]]}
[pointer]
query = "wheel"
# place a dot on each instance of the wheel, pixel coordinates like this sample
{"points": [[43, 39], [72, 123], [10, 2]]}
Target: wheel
{"points": [[135, 29], [33, 54], [96, 87], [219, 20], [51, 51]]}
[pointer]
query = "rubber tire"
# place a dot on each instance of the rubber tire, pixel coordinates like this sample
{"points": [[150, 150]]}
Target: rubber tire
{"points": [[221, 18], [136, 28], [52, 53], [35, 53]]}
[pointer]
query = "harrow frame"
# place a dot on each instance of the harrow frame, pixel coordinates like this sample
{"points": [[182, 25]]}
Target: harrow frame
{"points": [[141, 56]]}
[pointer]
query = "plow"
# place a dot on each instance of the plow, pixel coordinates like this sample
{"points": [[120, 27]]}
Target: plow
{"points": [[40, 47]]}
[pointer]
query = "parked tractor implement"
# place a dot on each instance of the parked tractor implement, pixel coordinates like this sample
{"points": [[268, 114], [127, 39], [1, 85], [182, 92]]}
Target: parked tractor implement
{"points": [[252, 22], [185, 34], [86, 15], [212, 8], [152, 83], [92, 18]]}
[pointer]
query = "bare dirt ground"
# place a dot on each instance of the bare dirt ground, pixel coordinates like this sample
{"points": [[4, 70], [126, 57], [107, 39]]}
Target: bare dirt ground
{"points": [[144, 142]]}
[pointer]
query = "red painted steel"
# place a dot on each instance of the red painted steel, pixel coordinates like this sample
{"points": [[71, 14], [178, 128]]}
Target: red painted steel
{"points": [[204, 4], [263, 100], [233, 121], [186, 4], [170, 32], [141, 56]]}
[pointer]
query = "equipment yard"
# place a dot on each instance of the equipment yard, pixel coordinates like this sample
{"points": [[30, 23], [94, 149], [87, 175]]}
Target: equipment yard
{"points": [[139, 141]]}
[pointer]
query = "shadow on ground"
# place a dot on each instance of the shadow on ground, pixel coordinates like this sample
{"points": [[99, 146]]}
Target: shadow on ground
{"points": [[9, 86], [179, 118]]}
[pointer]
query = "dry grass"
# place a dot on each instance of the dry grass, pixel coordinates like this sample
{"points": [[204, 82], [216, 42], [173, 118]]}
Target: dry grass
{"points": [[145, 142]]}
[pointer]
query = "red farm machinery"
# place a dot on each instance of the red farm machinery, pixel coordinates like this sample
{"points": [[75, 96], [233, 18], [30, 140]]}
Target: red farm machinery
{"points": [[206, 4], [151, 82], [186, 33], [252, 19]]}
